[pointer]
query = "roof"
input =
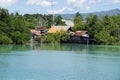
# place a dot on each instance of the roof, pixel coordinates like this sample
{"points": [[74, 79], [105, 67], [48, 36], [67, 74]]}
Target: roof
{"points": [[55, 29], [41, 28], [81, 33], [35, 32]]}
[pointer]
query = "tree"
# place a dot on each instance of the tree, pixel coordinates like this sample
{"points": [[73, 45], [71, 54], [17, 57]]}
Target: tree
{"points": [[77, 18], [4, 39], [58, 21], [93, 25], [104, 37], [79, 24]]}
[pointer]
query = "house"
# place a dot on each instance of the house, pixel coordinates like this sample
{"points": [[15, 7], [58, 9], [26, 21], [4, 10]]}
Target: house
{"points": [[35, 33], [78, 37], [55, 29], [42, 30], [81, 34]]}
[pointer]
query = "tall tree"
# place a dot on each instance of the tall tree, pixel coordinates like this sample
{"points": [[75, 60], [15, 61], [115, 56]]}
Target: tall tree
{"points": [[79, 24], [58, 21], [93, 24]]}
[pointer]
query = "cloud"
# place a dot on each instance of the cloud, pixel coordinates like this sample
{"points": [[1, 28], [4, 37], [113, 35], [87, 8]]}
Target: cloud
{"points": [[116, 1], [99, 1], [71, 1], [88, 8], [86, 4], [112, 2], [76, 3], [7, 3], [62, 10], [43, 3]]}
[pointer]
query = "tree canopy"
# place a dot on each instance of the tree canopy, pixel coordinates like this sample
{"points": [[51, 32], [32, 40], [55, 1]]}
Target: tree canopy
{"points": [[15, 28]]}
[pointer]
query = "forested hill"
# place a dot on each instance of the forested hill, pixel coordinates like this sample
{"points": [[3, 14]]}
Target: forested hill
{"points": [[99, 14]]}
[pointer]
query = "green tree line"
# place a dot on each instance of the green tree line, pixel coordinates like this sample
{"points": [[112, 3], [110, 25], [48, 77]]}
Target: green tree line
{"points": [[104, 31], [15, 28]]}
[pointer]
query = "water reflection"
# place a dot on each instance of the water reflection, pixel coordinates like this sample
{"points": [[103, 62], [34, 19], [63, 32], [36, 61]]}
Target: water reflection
{"points": [[59, 47], [9, 48], [78, 48], [45, 62]]}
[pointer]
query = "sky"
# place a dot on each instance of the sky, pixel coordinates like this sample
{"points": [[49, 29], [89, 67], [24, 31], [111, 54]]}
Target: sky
{"points": [[58, 6]]}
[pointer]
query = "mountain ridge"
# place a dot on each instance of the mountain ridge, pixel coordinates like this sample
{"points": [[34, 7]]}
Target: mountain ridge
{"points": [[99, 14]]}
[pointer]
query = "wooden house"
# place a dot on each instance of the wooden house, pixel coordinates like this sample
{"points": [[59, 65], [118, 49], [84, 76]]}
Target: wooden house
{"points": [[34, 33], [42, 30], [78, 37]]}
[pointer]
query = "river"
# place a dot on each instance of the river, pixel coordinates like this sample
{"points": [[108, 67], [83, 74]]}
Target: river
{"points": [[59, 62]]}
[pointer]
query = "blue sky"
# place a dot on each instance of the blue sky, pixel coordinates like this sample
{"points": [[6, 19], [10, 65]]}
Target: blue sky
{"points": [[59, 6]]}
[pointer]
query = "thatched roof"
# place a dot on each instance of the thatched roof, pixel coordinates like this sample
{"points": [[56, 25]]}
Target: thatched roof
{"points": [[55, 29]]}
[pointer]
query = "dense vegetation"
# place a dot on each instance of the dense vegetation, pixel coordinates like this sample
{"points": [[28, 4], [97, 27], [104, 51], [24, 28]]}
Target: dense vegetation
{"points": [[104, 31], [15, 28]]}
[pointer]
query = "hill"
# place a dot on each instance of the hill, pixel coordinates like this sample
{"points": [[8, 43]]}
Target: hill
{"points": [[99, 14]]}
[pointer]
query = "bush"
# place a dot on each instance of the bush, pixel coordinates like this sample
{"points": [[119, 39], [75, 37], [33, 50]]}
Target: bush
{"points": [[5, 40]]}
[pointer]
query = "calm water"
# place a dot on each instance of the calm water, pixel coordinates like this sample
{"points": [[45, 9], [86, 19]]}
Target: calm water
{"points": [[59, 62]]}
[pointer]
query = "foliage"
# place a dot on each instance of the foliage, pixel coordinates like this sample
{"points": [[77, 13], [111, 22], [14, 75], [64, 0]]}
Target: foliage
{"points": [[5, 39], [104, 31], [104, 37], [58, 21], [78, 21], [53, 37], [13, 28]]}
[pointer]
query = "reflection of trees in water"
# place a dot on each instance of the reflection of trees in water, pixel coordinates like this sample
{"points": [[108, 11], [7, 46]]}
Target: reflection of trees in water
{"points": [[5, 48], [104, 49], [9, 48], [60, 47], [80, 48]]}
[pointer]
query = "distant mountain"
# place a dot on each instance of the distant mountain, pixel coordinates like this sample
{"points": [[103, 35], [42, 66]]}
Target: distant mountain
{"points": [[99, 14]]}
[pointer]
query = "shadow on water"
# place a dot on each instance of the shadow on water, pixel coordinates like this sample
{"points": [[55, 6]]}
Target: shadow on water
{"points": [[78, 48]]}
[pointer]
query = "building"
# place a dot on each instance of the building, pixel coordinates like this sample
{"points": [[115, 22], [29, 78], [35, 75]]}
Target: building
{"points": [[55, 29], [39, 31], [78, 37], [81, 34], [34, 33], [42, 30]]}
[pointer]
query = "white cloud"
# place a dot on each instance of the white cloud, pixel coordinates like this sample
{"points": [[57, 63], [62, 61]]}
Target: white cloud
{"points": [[92, 1], [7, 3], [43, 3], [62, 10], [84, 4], [112, 2], [88, 8], [71, 1], [99, 1], [116, 1], [76, 3]]}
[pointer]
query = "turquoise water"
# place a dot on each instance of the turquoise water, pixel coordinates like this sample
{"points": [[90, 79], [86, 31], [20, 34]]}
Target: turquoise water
{"points": [[59, 62]]}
